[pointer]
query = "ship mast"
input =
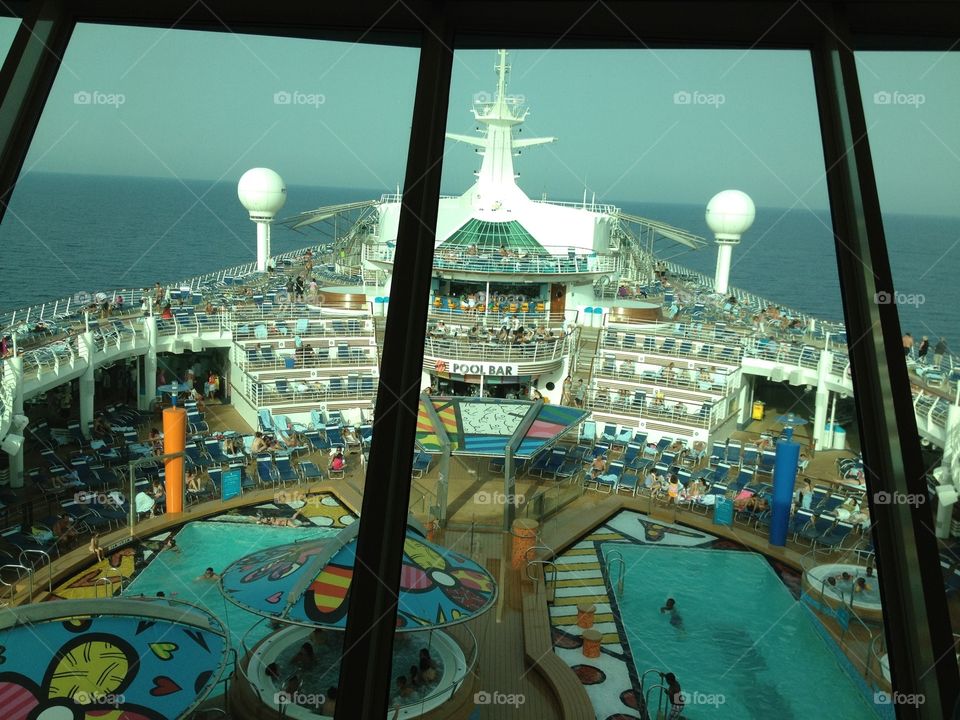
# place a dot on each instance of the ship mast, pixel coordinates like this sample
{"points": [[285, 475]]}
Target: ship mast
{"points": [[499, 116]]}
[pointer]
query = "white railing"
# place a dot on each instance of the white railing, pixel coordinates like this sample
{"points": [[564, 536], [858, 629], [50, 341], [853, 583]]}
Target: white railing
{"points": [[464, 349], [494, 264], [672, 411]]}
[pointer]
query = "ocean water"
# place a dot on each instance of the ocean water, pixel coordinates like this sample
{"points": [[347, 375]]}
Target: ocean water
{"points": [[70, 233]]}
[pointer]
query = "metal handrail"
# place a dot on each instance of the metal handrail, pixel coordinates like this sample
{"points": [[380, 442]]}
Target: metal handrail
{"points": [[547, 565], [614, 558], [25, 556], [28, 571]]}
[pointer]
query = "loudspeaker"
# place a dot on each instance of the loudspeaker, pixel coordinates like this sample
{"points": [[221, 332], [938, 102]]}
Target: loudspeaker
{"points": [[12, 443]]}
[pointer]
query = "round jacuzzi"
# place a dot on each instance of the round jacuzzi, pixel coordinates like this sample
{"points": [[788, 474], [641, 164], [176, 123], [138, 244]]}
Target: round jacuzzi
{"points": [[844, 590], [448, 658]]}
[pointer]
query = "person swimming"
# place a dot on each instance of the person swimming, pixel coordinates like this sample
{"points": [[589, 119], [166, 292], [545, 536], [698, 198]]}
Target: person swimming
{"points": [[675, 619]]}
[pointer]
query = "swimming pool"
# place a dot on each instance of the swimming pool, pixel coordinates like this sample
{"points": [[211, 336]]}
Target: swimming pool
{"points": [[743, 638], [216, 545]]}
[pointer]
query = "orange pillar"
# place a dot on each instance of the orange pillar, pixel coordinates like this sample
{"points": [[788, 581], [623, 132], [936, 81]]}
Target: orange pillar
{"points": [[524, 537], [585, 614], [591, 643], [174, 440]]}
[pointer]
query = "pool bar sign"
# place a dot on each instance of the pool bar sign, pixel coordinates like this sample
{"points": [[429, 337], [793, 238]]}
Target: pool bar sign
{"points": [[470, 367]]}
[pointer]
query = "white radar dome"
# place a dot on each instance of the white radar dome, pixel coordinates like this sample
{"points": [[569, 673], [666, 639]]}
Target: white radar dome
{"points": [[730, 214], [262, 193]]}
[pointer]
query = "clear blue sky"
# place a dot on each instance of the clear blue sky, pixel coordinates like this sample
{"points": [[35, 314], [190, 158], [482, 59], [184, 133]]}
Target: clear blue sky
{"points": [[201, 106]]}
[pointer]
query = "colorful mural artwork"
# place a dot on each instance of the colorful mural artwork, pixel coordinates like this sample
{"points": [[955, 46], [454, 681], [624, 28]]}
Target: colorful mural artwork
{"points": [[438, 587], [136, 663]]}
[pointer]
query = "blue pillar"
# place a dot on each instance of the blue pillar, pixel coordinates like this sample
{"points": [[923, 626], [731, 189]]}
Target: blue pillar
{"points": [[784, 477]]}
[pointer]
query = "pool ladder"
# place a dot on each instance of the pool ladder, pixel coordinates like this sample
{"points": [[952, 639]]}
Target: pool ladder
{"points": [[615, 559], [662, 707]]}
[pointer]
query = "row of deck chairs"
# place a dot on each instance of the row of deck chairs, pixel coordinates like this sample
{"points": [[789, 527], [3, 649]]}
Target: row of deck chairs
{"points": [[279, 470], [746, 455]]}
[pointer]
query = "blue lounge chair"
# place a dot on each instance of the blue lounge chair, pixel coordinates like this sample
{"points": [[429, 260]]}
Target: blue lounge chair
{"points": [[266, 420], [629, 482], [335, 437], [284, 469], [265, 472], [310, 471], [820, 526], [835, 536], [214, 451]]}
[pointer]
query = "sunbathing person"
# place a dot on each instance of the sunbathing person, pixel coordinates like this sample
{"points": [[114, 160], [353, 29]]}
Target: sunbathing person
{"points": [[753, 503], [63, 529]]}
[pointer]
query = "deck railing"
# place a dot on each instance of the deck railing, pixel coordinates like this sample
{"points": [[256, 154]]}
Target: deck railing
{"points": [[458, 261], [464, 349]]}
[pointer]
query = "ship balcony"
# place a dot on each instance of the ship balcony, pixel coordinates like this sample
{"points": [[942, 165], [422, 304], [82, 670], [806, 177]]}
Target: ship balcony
{"points": [[635, 346], [539, 268], [679, 387], [644, 413], [461, 356], [308, 389]]}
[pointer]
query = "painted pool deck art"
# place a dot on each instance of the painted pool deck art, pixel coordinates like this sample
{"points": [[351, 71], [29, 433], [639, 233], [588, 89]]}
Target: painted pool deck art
{"points": [[123, 562], [582, 578]]}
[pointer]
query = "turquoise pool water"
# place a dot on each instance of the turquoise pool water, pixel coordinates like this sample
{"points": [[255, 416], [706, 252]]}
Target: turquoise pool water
{"points": [[216, 545], [741, 637]]}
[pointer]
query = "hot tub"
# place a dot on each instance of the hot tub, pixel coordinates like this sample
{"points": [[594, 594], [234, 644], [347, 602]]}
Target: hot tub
{"points": [[448, 658], [866, 603]]}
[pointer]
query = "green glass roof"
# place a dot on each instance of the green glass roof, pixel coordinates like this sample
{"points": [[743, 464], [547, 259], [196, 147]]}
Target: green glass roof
{"points": [[489, 236]]}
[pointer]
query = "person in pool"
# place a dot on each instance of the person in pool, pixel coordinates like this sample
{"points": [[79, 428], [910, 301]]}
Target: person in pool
{"points": [[329, 706], [861, 586], [305, 655], [428, 670], [671, 607], [403, 688], [675, 693], [209, 574]]}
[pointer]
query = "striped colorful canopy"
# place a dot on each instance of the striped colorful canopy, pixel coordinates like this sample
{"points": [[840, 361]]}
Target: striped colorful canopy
{"points": [[483, 427], [308, 583]]}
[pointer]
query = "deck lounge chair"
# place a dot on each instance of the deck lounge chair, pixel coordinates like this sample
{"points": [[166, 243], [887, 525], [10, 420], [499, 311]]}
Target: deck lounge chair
{"points": [[284, 469]]}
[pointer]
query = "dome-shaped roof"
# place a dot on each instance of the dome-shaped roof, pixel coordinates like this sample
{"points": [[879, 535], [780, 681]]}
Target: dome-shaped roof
{"points": [[730, 214], [262, 192]]}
